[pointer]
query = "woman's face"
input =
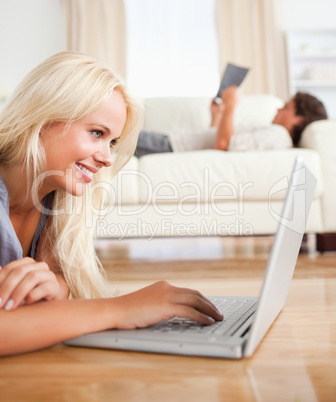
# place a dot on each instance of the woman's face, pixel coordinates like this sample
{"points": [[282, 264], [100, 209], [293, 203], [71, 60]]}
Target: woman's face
{"points": [[75, 154]]}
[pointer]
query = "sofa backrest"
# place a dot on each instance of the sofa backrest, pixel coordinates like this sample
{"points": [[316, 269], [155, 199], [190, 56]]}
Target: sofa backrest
{"points": [[193, 113]]}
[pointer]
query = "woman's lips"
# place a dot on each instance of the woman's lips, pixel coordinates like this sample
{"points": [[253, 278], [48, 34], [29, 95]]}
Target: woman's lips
{"points": [[87, 174]]}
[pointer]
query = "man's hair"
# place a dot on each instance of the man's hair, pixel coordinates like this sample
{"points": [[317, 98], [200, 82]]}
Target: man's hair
{"points": [[311, 109]]}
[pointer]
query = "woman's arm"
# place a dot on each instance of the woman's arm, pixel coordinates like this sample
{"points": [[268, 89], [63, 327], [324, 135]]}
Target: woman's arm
{"points": [[226, 128], [43, 324]]}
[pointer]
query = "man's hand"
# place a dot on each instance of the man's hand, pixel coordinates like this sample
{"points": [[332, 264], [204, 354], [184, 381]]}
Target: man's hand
{"points": [[230, 95]]}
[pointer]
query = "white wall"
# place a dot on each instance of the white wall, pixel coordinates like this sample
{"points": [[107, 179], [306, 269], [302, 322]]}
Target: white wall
{"points": [[308, 14], [314, 15], [30, 31]]}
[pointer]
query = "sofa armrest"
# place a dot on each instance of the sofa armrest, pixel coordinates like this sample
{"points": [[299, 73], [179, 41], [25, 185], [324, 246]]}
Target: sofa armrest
{"points": [[321, 136]]}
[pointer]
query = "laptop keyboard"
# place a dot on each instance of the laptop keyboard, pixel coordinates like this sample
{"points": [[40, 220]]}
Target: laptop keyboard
{"points": [[232, 309]]}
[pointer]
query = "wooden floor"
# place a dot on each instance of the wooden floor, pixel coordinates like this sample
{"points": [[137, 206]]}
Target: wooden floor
{"points": [[140, 261], [296, 361]]}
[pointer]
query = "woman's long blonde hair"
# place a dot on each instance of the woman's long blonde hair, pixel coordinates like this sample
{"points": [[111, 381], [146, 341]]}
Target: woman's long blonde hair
{"points": [[63, 89]]}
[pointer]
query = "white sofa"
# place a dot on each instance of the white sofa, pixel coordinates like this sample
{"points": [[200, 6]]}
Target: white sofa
{"points": [[212, 192]]}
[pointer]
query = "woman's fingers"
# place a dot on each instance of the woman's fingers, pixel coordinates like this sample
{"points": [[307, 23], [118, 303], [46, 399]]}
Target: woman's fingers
{"points": [[45, 291], [196, 300], [12, 274], [36, 285], [19, 278], [7, 269], [199, 303], [24, 265], [162, 301], [192, 299], [184, 311]]}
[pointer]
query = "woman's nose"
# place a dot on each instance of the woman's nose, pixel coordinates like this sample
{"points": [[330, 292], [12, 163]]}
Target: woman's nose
{"points": [[104, 156]]}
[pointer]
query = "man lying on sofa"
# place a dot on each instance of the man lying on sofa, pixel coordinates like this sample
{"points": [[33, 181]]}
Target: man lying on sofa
{"points": [[284, 132]]}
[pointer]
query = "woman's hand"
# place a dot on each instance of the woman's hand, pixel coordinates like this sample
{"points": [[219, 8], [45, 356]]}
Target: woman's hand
{"points": [[162, 301], [26, 281]]}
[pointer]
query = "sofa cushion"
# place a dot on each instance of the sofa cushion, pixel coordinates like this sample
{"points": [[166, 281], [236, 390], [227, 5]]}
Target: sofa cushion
{"points": [[125, 186], [201, 176]]}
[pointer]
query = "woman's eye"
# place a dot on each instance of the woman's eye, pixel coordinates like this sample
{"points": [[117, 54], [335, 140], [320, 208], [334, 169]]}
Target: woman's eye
{"points": [[113, 143], [97, 133]]}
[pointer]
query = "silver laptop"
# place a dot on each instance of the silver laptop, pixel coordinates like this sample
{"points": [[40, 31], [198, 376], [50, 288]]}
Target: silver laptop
{"points": [[246, 319]]}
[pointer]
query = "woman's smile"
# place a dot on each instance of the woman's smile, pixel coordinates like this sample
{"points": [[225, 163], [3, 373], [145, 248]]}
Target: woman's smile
{"points": [[86, 172]]}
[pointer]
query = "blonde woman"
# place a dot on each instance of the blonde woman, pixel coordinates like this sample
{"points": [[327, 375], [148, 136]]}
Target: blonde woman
{"points": [[69, 125]]}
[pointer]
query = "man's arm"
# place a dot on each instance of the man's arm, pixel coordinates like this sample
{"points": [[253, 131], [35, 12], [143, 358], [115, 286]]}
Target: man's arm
{"points": [[226, 128]]}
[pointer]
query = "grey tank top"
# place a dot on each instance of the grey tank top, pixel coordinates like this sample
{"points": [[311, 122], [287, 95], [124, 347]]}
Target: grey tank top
{"points": [[10, 247]]}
